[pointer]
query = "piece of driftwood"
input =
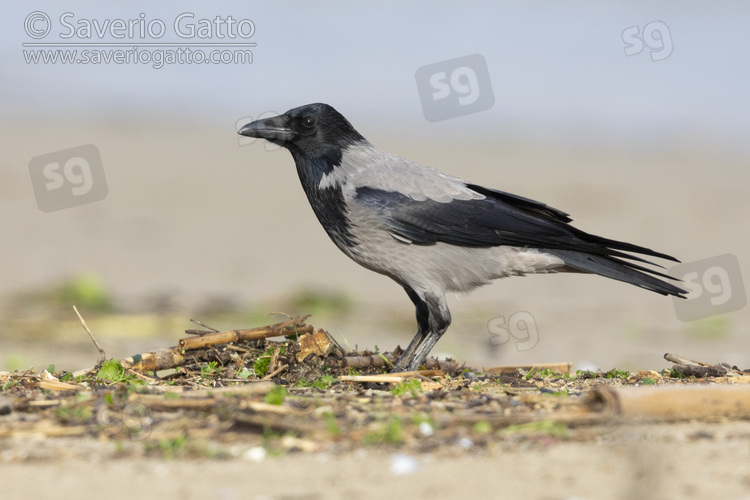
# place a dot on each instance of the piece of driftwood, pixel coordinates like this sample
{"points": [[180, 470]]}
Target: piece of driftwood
{"points": [[160, 359], [692, 368], [700, 371], [678, 359], [671, 402], [294, 325]]}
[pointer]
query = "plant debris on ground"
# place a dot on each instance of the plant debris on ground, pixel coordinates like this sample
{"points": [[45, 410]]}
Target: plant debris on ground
{"points": [[224, 394]]}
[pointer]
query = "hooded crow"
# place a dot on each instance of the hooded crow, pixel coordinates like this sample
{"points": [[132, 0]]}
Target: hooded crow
{"points": [[431, 232]]}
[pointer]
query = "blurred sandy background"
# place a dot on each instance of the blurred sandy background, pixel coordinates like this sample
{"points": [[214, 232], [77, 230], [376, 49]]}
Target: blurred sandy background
{"points": [[196, 224]]}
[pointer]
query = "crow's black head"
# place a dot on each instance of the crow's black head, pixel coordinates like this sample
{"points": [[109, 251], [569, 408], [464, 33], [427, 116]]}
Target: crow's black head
{"points": [[311, 131], [317, 136]]}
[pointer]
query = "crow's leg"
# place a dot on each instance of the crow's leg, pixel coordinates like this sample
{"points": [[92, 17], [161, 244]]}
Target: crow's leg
{"points": [[440, 319], [423, 328], [432, 310]]}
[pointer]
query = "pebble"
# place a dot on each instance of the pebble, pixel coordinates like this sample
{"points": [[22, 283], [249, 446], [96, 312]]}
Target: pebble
{"points": [[255, 454], [425, 429], [465, 443], [403, 464]]}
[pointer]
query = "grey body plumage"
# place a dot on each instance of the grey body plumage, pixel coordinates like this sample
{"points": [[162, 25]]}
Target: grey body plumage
{"points": [[431, 232]]}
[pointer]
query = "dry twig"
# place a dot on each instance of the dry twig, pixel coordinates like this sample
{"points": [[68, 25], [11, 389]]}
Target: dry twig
{"points": [[272, 374], [204, 326], [102, 354]]}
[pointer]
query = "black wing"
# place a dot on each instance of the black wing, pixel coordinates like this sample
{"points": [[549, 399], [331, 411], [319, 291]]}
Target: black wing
{"points": [[505, 219]]}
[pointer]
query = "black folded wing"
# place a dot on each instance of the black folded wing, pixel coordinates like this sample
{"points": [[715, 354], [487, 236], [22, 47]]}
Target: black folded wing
{"points": [[505, 219]]}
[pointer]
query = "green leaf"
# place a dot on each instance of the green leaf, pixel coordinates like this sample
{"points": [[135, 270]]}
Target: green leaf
{"points": [[412, 386], [112, 371], [324, 382], [276, 395]]}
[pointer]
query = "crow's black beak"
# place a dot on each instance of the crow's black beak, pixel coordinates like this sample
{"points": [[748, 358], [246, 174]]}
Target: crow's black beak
{"points": [[271, 129]]}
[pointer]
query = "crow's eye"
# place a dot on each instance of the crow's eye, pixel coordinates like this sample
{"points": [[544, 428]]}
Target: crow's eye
{"points": [[308, 121]]}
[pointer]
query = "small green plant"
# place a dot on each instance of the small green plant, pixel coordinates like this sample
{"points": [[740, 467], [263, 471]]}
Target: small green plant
{"points": [[412, 386], [393, 431], [83, 396], [75, 415], [615, 373], [324, 382], [268, 434], [390, 432], [648, 381], [303, 382], [294, 336], [261, 365], [263, 362], [112, 371], [675, 374], [210, 369], [8, 385], [483, 427], [276, 395], [541, 372], [173, 447], [244, 373], [385, 360], [331, 426]]}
